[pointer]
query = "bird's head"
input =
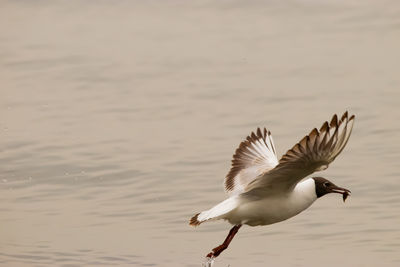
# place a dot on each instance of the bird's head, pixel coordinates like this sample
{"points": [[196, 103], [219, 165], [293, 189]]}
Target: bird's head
{"points": [[324, 186]]}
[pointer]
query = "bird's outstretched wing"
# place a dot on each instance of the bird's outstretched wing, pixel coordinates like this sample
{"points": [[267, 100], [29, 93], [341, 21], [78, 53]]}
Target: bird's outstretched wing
{"points": [[254, 156], [313, 153]]}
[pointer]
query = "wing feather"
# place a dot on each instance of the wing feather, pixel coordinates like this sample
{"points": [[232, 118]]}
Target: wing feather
{"points": [[313, 153], [254, 156]]}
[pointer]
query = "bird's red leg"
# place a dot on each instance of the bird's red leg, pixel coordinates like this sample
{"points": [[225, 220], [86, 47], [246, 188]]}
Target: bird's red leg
{"points": [[217, 250]]}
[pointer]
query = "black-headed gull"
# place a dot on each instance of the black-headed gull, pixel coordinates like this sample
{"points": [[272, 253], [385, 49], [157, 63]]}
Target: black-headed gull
{"points": [[264, 190]]}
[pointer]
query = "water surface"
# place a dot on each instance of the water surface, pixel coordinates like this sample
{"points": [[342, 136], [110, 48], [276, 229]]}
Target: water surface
{"points": [[118, 121]]}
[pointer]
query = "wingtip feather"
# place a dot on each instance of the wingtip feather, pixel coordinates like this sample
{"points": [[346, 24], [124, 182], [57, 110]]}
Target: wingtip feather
{"points": [[334, 121], [324, 127]]}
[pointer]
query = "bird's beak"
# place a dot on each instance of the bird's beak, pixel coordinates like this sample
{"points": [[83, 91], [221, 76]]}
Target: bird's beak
{"points": [[340, 190]]}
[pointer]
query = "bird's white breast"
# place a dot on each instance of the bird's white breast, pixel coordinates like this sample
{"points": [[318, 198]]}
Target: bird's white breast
{"points": [[276, 208]]}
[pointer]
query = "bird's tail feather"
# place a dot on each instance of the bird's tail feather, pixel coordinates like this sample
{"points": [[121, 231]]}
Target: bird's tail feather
{"points": [[216, 212]]}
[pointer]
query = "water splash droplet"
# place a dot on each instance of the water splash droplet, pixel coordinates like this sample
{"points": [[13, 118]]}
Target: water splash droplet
{"points": [[209, 262]]}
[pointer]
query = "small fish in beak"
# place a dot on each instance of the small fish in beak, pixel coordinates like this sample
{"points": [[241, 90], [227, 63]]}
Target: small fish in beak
{"points": [[345, 192], [345, 195]]}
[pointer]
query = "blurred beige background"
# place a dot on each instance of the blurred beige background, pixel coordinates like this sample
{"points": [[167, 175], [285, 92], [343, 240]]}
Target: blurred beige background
{"points": [[119, 119]]}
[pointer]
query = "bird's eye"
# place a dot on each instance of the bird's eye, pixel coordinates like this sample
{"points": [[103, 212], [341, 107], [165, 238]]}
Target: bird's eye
{"points": [[326, 184]]}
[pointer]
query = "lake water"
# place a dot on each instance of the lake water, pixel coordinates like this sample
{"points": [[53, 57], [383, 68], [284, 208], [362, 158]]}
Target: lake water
{"points": [[118, 121]]}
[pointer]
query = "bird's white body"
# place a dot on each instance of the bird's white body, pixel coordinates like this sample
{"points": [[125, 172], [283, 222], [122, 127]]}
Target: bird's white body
{"points": [[275, 208], [270, 209]]}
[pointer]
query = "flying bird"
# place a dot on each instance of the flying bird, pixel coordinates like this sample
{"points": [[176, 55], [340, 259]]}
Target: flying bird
{"points": [[263, 190]]}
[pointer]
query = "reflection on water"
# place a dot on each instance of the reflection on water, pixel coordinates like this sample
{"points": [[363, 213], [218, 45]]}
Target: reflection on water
{"points": [[118, 123]]}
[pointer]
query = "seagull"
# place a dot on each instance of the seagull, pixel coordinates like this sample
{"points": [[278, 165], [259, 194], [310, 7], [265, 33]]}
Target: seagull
{"points": [[263, 190]]}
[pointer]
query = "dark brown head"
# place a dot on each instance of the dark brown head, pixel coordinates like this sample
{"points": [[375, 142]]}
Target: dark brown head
{"points": [[324, 186]]}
